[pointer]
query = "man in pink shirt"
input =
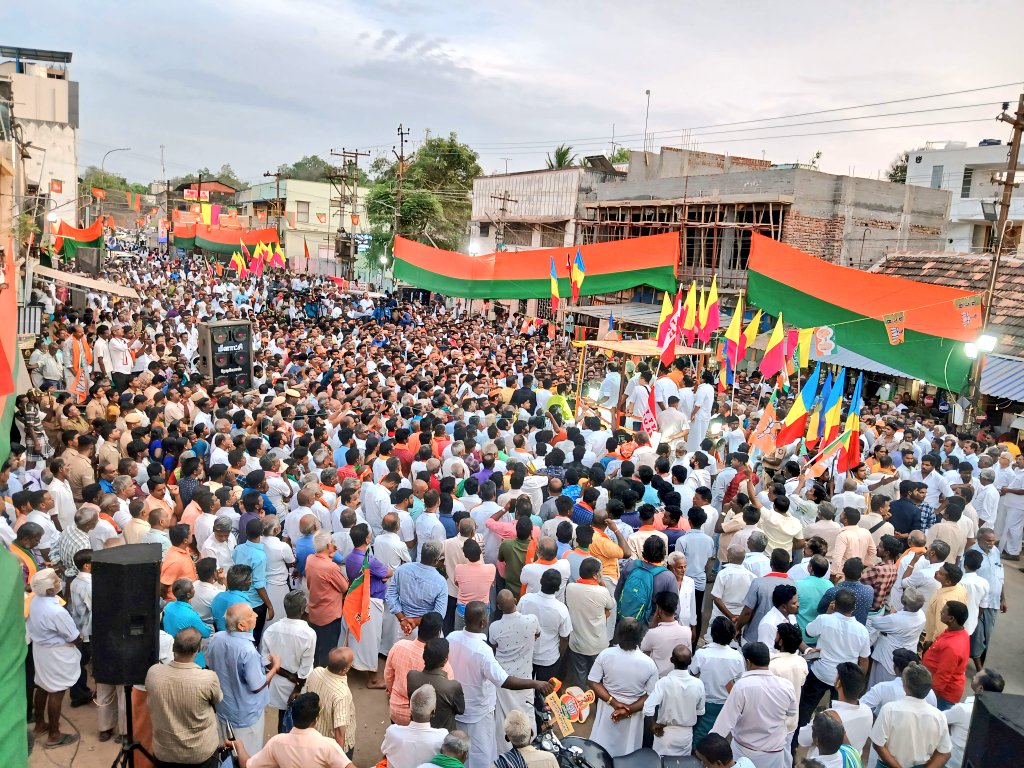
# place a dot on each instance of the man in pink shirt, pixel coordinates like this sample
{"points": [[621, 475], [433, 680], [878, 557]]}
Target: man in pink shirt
{"points": [[303, 745], [852, 541], [404, 657], [473, 580]]}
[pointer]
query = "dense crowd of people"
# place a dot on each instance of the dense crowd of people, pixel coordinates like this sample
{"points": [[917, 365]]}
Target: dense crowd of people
{"points": [[733, 606]]}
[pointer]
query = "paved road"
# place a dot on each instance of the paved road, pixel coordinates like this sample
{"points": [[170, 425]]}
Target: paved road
{"points": [[372, 710]]}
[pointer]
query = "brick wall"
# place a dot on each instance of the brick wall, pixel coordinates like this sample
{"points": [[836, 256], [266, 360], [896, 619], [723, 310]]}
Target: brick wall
{"points": [[822, 237]]}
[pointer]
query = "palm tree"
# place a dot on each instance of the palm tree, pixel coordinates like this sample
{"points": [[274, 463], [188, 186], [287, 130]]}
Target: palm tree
{"points": [[563, 157]]}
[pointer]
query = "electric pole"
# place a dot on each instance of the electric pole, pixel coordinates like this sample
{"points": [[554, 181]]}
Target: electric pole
{"points": [[1008, 184], [400, 154], [167, 204], [499, 239], [350, 180], [277, 199]]}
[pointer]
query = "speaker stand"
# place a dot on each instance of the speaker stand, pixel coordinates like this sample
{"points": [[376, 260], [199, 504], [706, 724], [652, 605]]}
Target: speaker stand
{"points": [[126, 757]]}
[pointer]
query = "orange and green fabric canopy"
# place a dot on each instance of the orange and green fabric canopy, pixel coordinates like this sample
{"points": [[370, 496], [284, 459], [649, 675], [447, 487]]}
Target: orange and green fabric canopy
{"points": [[613, 266], [69, 239], [811, 292], [220, 240]]}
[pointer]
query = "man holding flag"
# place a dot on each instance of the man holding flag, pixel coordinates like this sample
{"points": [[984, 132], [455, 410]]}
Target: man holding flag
{"points": [[363, 609]]}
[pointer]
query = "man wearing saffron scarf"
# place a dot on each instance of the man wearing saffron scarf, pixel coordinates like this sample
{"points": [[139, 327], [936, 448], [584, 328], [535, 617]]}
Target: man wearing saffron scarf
{"points": [[78, 364]]}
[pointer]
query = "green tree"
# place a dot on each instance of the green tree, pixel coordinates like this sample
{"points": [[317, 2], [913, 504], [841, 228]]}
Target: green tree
{"points": [[897, 172], [226, 175], [435, 200], [620, 155], [563, 157], [94, 177]]}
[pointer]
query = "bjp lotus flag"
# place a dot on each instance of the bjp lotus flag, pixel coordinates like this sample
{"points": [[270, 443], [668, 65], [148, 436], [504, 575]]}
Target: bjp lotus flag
{"points": [[356, 607], [763, 436], [649, 422]]}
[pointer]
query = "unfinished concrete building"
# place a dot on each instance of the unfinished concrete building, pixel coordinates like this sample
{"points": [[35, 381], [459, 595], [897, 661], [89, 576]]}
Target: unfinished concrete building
{"points": [[716, 201]]}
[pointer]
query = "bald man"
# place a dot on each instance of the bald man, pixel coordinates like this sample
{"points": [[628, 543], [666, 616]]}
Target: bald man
{"points": [[337, 718], [677, 702], [244, 680]]}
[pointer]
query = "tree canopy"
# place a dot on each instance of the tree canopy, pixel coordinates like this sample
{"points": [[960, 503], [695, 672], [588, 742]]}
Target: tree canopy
{"points": [[94, 177], [226, 175], [435, 201], [562, 157], [897, 171]]}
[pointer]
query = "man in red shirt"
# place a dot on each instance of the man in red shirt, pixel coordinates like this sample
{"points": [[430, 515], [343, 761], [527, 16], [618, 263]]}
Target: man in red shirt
{"points": [[947, 657]]}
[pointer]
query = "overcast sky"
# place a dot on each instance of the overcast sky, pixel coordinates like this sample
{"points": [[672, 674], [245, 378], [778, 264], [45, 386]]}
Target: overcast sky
{"points": [[259, 83]]}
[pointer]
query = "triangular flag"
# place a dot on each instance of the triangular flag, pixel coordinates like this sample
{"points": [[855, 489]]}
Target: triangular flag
{"points": [[774, 354]]}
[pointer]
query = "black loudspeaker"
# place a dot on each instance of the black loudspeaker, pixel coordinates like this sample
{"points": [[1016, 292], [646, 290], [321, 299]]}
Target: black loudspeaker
{"points": [[125, 613], [79, 300], [996, 735], [225, 353], [89, 261]]}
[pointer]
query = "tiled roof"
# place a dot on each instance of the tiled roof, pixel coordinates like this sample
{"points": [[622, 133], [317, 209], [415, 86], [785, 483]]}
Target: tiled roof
{"points": [[970, 272]]}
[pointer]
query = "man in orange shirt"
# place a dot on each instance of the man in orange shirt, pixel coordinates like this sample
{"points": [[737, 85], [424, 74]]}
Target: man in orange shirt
{"points": [[177, 562], [404, 657], [327, 586]]}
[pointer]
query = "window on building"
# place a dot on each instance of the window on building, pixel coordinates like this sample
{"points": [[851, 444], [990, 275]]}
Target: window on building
{"points": [[965, 187], [301, 211], [485, 229], [937, 176], [519, 234], [552, 235]]}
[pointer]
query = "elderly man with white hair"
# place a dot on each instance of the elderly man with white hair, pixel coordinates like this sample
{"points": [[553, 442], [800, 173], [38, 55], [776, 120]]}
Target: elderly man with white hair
{"points": [[407, 746], [986, 500], [890, 631], [519, 732], [456, 746], [55, 654]]}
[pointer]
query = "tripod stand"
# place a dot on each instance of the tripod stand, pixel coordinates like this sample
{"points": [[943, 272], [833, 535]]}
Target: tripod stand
{"points": [[126, 757]]}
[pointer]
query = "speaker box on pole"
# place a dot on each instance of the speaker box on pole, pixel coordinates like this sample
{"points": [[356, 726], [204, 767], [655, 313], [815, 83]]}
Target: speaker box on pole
{"points": [[996, 734], [225, 353], [125, 613]]}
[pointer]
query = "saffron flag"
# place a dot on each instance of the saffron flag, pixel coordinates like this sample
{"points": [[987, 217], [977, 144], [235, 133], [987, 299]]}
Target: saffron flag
{"points": [[833, 408], [322, 218], [666, 312], [578, 274], [849, 454], [356, 607], [795, 423], [709, 316], [775, 353], [734, 336], [305, 249], [99, 194], [689, 315], [554, 287], [261, 215], [649, 421], [763, 437]]}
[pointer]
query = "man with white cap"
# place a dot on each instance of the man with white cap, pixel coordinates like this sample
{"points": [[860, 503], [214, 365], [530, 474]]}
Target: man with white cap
{"points": [[55, 654]]}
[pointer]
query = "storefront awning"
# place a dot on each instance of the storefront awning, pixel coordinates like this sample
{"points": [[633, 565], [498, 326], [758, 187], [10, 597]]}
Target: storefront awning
{"points": [[850, 359], [1003, 377], [69, 278], [632, 312]]}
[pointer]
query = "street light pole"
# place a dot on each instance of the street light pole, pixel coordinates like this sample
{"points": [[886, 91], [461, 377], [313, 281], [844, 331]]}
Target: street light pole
{"points": [[103, 163]]}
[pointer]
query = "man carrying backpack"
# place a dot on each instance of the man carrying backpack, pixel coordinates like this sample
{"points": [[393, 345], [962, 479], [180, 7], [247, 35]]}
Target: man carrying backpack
{"points": [[642, 580]]}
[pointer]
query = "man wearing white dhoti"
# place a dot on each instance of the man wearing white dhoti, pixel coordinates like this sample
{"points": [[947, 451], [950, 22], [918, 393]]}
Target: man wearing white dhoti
{"points": [[367, 647], [55, 654], [622, 678], [513, 637], [474, 665]]}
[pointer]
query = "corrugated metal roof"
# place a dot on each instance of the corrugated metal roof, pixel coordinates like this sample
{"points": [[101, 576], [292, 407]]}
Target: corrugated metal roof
{"points": [[1003, 377], [627, 312], [851, 359]]}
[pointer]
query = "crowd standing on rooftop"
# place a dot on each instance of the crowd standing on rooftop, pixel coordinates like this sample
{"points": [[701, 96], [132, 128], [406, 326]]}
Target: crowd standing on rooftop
{"points": [[717, 601]]}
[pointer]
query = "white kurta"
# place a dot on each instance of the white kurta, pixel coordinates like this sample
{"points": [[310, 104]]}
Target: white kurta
{"points": [[53, 632], [627, 675]]}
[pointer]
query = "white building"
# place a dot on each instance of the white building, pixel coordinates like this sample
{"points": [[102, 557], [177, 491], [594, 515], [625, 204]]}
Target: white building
{"points": [[316, 210], [967, 173], [537, 209], [45, 106]]}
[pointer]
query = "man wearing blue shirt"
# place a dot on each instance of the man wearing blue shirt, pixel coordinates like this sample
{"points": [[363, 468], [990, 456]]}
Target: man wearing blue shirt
{"points": [[239, 578], [251, 553], [245, 684]]}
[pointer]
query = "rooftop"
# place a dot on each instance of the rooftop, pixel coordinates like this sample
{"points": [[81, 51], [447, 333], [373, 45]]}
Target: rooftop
{"points": [[970, 271], [35, 54]]}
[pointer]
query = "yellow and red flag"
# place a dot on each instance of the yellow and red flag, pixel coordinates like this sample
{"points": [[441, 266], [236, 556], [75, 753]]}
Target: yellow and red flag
{"points": [[775, 353], [554, 287]]}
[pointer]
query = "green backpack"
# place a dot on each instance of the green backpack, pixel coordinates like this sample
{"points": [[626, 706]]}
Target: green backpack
{"points": [[637, 596]]}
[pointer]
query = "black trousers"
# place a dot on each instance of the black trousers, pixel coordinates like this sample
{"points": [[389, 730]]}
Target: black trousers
{"points": [[80, 693], [327, 637], [810, 697], [213, 761], [698, 598], [448, 626], [261, 622]]}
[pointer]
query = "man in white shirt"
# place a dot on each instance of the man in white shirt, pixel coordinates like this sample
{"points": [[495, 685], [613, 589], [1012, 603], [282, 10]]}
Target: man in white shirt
{"points": [[408, 746], [474, 666], [840, 638], [730, 588], [678, 700], [293, 641], [959, 715], [700, 415], [894, 631], [608, 396], [909, 731], [555, 624], [590, 604]]}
